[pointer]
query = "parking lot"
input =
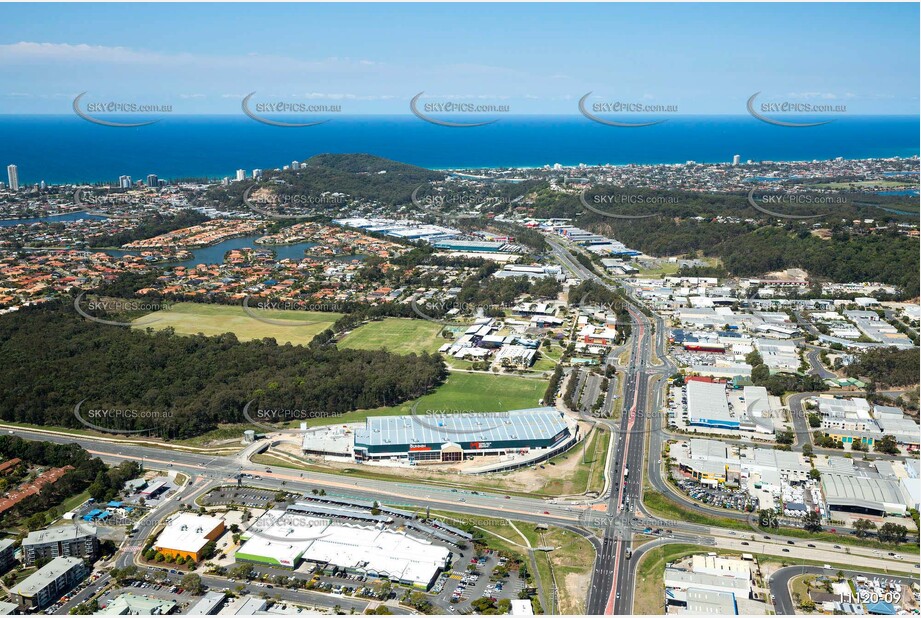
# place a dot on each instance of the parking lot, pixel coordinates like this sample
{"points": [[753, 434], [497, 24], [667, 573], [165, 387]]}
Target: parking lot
{"points": [[736, 499], [243, 496], [453, 591]]}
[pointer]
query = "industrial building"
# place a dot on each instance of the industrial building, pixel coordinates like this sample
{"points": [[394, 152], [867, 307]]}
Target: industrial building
{"points": [[454, 437], [186, 534], [75, 540], [708, 406], [48, 583], [870, 495]]}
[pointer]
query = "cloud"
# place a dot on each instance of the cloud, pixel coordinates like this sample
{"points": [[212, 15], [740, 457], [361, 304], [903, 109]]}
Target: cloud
{"points": [[33, 53]]}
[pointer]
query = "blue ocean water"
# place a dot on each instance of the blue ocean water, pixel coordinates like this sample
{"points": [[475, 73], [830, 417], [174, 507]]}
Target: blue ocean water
{"points": [[69, 149]]}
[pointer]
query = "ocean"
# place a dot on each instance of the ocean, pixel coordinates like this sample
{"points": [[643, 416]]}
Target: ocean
{"points": [[64, 149]]}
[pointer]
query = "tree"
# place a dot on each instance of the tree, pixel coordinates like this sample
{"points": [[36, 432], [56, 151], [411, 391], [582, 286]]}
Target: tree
{"points": [[812, 522], [767, 518], [887, 445], [124, 575], [785, 437], [862, 527], [892, 533], [814, 474], [35, 522], [192, 583], [808, 450], [814, 420]]}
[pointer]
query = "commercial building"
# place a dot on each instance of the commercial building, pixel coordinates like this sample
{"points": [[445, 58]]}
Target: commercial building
{"points": [[48, 583], [453, 437], [74, 540], [186, 534], [708, 406], [129, 604], [208, 605], [286, 538], [680, 579]]}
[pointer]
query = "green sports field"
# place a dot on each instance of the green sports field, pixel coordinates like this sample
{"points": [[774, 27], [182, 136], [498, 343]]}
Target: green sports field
{"points": [[397, 335], [462, 392], [296, 327]]}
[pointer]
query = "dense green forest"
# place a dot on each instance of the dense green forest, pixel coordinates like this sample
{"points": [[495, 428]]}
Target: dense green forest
{"points": [[359, 176], [750, 243], [887, 366], [55, 359]]}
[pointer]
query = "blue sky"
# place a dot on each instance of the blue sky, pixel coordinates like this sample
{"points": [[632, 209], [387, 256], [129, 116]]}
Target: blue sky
{"points": [[535, 58]]}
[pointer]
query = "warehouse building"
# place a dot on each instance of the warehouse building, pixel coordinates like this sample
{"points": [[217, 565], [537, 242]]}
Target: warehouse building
{"points": [[186, 535], [708, 406], [871, 495], [454, 437]]}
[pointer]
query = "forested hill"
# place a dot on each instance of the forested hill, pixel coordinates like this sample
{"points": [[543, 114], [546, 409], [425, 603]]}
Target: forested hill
{"points": [[750, 243], [358, 176], [54, 359]]}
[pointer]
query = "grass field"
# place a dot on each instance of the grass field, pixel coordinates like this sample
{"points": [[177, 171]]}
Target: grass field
{"points": [[481, 392], [397, 335], [295, 327]]}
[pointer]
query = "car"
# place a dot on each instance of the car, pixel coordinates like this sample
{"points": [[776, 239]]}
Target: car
{"points": [[837, 547], [810, 545], [767, 537], [786, 549], [508, 497], [546, 512], [790, 543], [744, 542]]}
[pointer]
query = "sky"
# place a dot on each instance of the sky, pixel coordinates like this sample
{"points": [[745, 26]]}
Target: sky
{"points": [[533, 58]]}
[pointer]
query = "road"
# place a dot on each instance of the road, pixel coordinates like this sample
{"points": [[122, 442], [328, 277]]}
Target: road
{"points": [[779, 584]]}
